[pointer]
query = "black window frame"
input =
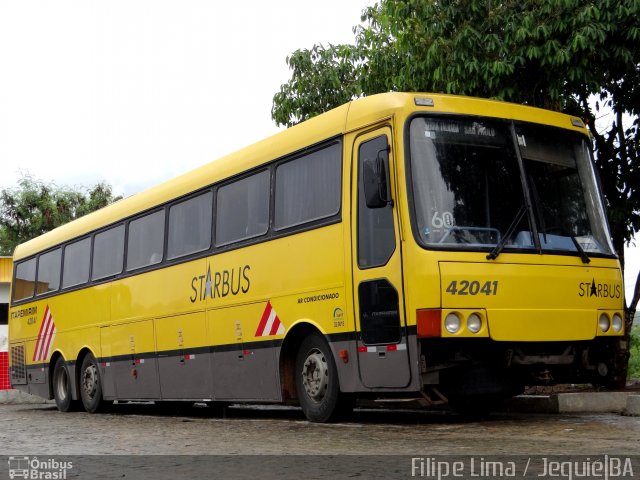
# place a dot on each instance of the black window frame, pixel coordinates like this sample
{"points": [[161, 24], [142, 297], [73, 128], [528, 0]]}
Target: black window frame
{"points": [[181, 201], [247, 239], [64, 257], [147, 266], [302, 156], [93, 251], [13, 280], [39, 257]]}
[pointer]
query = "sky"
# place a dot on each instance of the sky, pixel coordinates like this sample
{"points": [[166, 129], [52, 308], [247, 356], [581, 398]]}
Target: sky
{"points": [[136, 92]]}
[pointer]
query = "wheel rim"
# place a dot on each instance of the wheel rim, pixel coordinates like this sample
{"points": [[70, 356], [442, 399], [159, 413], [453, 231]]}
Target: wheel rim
{"points": [[90, 381], [315, 375], [62, 384]]}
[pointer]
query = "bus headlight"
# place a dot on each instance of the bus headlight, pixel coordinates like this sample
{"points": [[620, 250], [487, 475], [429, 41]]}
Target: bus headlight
{"points": [[474, 323], [604, 323], [616, 323], [452, 323]]}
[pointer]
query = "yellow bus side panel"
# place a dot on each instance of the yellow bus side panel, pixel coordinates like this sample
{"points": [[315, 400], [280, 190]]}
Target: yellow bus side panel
{"points": [[181, 331]]}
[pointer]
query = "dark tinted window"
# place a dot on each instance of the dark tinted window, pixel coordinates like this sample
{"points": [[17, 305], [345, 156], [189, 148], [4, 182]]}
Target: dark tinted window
{"points": [[190, 226], [376, 238], [308, 188], [24, 283], [108, 253], [379, 314], [76, 263], [146, 241], [49, 265], [242, 209]]}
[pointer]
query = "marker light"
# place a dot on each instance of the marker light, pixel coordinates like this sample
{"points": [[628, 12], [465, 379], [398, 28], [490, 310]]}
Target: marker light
{"points": [[452, 323], [474, 323], [603, 323], [429, 322], [616, 323]]}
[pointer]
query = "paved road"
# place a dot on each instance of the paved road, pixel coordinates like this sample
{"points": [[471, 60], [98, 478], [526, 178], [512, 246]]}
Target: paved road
{"points": [[146, 442], [145, 429]]}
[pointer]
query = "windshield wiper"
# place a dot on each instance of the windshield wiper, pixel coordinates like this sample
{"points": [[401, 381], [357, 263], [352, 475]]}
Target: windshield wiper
{"points": [[516, 221], [583, 255]]}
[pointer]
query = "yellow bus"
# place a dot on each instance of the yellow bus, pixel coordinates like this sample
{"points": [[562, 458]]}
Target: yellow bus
{"points": [[441, 247]]}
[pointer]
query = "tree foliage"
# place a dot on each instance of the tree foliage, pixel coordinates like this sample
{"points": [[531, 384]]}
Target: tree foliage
{"points": [[322, 78], [35, 207]]}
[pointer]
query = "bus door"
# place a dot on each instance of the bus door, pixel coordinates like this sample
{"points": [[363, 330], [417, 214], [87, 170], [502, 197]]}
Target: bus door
{"points": [[383, 358]]}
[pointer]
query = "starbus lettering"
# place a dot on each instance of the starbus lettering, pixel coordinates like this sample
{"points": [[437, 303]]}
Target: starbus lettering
{"points": [[220, 284], [599, 290]]}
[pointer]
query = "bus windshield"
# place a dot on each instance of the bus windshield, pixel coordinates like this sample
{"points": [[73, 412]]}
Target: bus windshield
{"points": [[468, 188]]}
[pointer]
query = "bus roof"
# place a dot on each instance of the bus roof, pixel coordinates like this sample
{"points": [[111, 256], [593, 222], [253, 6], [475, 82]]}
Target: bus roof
{"points": [[355, 114]]}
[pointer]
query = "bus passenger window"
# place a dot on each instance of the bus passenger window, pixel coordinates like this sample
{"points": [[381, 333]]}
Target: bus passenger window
{"points": [[242, 209], [76, 263], [190, 226], [308, 188], [108, 253], [25, 281], [146, 241], [49, 265]]}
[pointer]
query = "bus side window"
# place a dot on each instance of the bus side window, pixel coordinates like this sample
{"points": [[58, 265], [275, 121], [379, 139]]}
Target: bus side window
{"points": [[189, 227], [24, 284], [308, 188], [76, 263], [146, 240], [108, 253], [242, 209], [376, 238], [49, 265]]}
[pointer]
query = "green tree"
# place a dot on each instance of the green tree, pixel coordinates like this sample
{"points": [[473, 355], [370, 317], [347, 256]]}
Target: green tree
{"points": [[35, 207], [557, 54]]}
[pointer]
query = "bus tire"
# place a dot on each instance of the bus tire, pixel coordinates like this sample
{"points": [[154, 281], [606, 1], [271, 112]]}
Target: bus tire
{"points": [[317, 380], [91, 384], [62, 386]]}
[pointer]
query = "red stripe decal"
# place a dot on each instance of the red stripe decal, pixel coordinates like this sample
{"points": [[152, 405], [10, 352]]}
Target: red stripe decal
{"points": [[49, 338], [46, 313], [263, 320], [45, 320], [275, 326]]}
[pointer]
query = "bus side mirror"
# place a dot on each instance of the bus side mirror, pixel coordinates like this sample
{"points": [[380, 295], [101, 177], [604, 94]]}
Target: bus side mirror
{"points": [[375, 178]]}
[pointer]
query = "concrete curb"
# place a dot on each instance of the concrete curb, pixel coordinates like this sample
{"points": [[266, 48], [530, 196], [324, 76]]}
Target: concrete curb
{"points": [[14, 397], [633, 406], [587, 402], [592, 402]]}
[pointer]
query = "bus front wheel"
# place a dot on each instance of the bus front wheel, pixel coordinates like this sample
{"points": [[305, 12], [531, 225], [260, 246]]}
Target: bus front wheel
{"points": [[90, 384], [317, 380]]}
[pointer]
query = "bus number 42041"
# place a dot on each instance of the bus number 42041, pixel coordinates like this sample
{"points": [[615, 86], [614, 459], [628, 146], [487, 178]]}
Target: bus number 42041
{"points": [[466, 287]]}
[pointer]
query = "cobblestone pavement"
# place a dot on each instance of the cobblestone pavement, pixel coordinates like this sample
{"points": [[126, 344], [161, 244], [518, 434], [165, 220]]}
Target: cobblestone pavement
{"points": [[147, 429]]}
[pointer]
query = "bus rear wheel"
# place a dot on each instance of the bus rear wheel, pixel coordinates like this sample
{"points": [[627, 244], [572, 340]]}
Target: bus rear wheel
{"points": [[317, 381], [91, 385], [62, 386]]}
